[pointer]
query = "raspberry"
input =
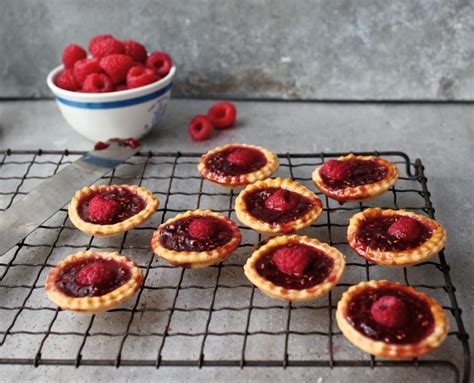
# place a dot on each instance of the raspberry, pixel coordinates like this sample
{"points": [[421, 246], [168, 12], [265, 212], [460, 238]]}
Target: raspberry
{"points": [[85, 67], [100, 145], [160, 62], [116, 66], [67, 80], [120, 87], [104, 45], [71, 54], [292, 260], [222, 114], [241, 157], [135, 50], [281, 200], [336, 170], [96, 274], [389, 311], [405, 229], [97, 83], [140, 76], [200, 128], [201, 228], [102, 209]]}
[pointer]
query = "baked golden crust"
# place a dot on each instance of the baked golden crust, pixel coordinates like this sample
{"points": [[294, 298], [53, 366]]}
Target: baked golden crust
{"points": [[279, 292], [243, 179], [244, 215], [387, 350], [151, 204], [404, 258], [361, 192], [93, 304], [196, 259]]}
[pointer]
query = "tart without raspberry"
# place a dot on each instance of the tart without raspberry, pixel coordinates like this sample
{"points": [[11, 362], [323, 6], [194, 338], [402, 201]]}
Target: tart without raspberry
{"points": [[236, 165], [295, 268], [196, 239], [395, 237], [111, 209], [276, 206], [391, 320], [92, 282], [355, 178]]}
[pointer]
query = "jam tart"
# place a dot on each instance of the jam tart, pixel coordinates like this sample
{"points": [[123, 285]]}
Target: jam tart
{"points": [[277, 205], [391, 320], [93, 282], [395, 237], [355, 178], [196, 239], [109, 210], [295, 268], [236, 165]]}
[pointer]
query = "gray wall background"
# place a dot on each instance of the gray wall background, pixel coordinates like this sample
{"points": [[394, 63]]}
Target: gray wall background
{"points": [[290, 49]]}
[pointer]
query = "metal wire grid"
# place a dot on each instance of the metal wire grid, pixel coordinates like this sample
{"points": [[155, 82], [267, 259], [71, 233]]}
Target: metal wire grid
{"points": [[328, 340]]}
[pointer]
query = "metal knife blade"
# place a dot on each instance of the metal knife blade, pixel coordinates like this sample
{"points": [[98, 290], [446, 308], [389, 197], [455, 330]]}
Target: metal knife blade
{"points": [[51, 195]]}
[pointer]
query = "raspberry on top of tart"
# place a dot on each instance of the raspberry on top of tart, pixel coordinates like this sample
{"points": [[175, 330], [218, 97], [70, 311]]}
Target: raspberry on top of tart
{"points": [[196, 239], [295, 268], [235, 165], [277, 206], [111, 209], [395, 237], [92, 282], [355, 178], [391, 320]]}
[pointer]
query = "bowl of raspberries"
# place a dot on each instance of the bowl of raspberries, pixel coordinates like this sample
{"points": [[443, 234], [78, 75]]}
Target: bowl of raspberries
{"points": [[117, 89]]}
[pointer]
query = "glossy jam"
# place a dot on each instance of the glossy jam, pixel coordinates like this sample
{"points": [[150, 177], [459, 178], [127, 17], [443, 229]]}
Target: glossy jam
{"points": [[217, 163], [317, 271], [363, 172], [66, 281], [420, 322], [130, 204], [374, 234], [175, 236], [255, 202]]}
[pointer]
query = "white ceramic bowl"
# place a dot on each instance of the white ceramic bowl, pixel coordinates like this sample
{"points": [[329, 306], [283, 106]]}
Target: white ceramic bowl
{"points": [[127, 113]]}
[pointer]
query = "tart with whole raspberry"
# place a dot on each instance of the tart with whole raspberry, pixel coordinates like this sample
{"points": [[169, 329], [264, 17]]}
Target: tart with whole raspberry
{"points": [[295, 268], [355, 178], [108, 210], [395, 237], [93, 282], [277, 205], [196, 239], [391, 320], [237, 165]]}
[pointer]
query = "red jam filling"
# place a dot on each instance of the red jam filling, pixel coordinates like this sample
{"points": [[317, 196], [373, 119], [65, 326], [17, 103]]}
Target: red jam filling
{"points": [[377, 233], [417, 323], [315, 271], [126, 204], [296, 205], [130, 142], [236, 160], [339, 174], [185, 235], [92, 277]]}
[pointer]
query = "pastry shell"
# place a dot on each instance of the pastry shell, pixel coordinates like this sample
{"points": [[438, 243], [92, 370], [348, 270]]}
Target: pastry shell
{"points": [[93, 304], [243, 179], [279, 292], [361, 192], [244, 215], [196, 259], [402, 258], [388, 350], [98, 230]]}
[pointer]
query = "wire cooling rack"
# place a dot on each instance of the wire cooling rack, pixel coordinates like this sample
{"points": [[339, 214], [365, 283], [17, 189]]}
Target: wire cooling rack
{"points": [[207, 317]]}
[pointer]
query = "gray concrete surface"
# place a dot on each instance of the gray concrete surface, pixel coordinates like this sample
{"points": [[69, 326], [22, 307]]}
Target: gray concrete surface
{"points": [[441, 135], [310, 49]]}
